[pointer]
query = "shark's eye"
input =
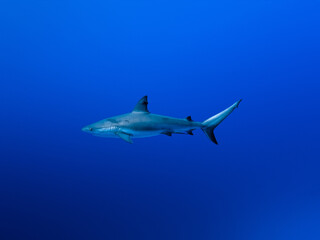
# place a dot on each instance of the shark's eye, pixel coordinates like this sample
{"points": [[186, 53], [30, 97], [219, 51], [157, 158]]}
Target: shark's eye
{"points": [[90, 129]]}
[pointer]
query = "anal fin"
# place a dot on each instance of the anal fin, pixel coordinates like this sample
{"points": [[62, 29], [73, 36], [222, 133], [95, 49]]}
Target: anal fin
{"points": [[167, 133], [190, 132]]}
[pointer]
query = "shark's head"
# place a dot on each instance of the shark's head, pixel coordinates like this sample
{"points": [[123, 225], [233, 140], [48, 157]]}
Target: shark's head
{"points": [[104, 128]]}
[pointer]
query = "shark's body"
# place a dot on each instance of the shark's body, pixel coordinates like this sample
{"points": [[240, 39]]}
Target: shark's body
{"points": [[141, 123]]}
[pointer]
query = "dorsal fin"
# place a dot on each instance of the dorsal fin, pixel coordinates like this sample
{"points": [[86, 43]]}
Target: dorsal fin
{"points": [[189, 118], [142, 105]]}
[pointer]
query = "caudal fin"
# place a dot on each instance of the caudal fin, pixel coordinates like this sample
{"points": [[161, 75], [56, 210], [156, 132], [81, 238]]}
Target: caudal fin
{"points": [[210, 124]]}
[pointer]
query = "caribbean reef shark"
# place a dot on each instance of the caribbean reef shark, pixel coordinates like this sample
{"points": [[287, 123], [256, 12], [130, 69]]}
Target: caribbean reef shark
{"points": [[141, 123]]}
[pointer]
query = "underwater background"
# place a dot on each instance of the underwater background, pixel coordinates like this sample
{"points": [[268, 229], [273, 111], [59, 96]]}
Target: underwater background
{"points": [[66, 64]]}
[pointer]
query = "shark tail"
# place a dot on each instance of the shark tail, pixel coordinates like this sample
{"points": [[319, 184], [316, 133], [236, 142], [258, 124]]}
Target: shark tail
{"points": [[210, 124]]}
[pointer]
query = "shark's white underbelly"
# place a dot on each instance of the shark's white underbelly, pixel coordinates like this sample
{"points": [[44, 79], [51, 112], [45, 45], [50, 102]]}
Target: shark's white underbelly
{"points": [[142, 134], [151, 133]]}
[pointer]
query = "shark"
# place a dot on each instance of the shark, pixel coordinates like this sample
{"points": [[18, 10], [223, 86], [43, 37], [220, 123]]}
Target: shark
{"points": [[140, 123]]}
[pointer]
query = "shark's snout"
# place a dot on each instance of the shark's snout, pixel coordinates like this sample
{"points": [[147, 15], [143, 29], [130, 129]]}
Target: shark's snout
{"points": [[87, 129]]}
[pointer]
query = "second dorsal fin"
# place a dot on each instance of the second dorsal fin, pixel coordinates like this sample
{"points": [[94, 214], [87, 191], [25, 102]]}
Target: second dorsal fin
{"points": [[189, 118], [142, 105]]}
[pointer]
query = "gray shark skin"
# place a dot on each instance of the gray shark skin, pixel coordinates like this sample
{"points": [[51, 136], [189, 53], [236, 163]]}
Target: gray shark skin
{"points": [[141, 123]]}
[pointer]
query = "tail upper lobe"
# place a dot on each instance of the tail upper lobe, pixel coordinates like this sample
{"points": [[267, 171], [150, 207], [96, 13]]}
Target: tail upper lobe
{"points": [[211, 123]]}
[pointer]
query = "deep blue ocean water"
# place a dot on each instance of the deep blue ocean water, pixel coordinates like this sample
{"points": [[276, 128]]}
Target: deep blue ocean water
{"points": [[66, 64]]}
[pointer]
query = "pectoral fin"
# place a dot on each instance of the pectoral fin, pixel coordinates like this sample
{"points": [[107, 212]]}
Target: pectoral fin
{"points": [[125, 137]]}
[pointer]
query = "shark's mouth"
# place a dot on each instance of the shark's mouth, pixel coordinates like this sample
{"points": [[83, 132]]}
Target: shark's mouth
{"points": [[106, 131]]}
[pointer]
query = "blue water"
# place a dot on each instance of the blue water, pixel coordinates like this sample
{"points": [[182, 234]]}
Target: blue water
{"points": [[66, 64]]}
